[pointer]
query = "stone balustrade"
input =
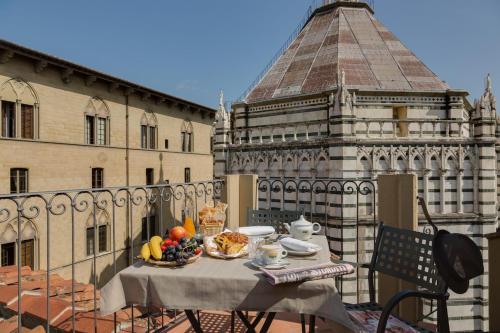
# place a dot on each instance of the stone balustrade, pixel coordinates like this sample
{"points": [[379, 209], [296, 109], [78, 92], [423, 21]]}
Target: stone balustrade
{"points": [[411, 128], [300, 131]]}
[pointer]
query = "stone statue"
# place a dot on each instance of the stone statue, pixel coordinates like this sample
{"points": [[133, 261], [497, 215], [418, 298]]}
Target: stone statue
{"points": [[487, 104]]}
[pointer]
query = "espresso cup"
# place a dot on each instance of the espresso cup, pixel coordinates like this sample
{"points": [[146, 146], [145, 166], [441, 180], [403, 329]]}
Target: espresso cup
{"points": [[272, 253]]}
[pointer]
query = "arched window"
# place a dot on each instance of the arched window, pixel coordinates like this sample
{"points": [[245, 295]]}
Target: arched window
{"points": [[8, 243], [19, 110], [187, 136], [97, 118], [149, 130], [98, 237]]}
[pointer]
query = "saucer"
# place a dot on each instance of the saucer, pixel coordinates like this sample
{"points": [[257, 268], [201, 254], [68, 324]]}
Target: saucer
{"points": [[301, 253], [258, 264]]}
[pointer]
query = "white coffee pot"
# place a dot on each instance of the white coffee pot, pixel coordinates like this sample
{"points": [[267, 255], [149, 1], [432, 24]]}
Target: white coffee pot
{"points": [[302, 229]]}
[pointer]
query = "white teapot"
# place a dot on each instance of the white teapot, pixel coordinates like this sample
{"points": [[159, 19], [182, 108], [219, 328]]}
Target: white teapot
{"points": [[302, 229]]}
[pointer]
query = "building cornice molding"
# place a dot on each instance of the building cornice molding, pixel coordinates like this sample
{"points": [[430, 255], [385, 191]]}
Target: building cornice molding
{"points": [[68, 69]]}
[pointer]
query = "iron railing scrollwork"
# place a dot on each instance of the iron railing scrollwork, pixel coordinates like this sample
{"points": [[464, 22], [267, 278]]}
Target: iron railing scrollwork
{"points": [[337, 204], [58, 212]]}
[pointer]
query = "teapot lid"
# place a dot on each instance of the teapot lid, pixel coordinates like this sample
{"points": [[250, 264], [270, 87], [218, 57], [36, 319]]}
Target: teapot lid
{"points": [[301, 221]]}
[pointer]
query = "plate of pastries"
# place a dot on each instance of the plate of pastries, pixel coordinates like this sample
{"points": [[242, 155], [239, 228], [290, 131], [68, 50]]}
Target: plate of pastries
{"points": [[227, 245]]}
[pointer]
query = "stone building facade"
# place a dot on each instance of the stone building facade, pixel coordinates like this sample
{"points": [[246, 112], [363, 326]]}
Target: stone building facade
{"points": [[347, 100], [65, 126]]}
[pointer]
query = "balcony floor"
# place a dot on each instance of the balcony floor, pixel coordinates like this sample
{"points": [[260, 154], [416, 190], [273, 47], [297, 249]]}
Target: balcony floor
{"points": [[220, 322]]}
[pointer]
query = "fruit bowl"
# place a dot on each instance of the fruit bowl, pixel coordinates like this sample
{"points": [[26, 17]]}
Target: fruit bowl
{"points": [[173, 263], [176, 250]]}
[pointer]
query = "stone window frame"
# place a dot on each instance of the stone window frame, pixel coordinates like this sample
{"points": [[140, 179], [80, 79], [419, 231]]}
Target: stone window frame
{"points": [[149, 130], [103, 219], [9, 234], [18, 175], [187, 136], [97, 109], [19, 87]]}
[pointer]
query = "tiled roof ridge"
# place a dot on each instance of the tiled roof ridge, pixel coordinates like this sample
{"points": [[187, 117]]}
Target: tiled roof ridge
{"points": [[356, 38], [322, 43]]}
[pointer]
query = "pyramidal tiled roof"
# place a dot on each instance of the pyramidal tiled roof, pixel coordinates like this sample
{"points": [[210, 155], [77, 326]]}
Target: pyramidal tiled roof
{"points": [[344, 36]]}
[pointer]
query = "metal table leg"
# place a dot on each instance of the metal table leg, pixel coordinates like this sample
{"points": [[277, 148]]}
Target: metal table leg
{"points": [[312, 324], [195, 324], [268, 322]]}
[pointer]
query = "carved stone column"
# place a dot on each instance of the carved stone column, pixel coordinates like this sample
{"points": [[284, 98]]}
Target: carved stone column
{"points": [[476, 190], [425, 184], [442, 189], [460, 175]]}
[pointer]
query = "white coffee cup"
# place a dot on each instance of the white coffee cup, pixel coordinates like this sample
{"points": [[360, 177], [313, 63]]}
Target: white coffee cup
{"points": [[272, 254]]}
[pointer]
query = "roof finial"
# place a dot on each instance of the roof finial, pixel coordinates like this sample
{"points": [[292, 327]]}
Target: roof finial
{"points": [[488, 83]]}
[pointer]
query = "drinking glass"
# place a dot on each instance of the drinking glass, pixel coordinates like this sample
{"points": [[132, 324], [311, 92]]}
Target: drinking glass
{"points": [[254, 243]]}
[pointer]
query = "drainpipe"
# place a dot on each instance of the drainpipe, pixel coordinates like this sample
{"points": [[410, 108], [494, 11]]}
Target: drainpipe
{"points": [[127, 181], [127, 148]]}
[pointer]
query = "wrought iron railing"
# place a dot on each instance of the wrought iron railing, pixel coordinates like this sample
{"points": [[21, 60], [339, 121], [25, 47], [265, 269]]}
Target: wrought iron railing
{"points": [[346, 208], [128, 212]]}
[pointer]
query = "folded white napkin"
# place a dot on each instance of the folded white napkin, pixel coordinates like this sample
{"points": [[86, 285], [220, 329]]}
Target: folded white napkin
{"points": [[299, 245], [256, 230]]}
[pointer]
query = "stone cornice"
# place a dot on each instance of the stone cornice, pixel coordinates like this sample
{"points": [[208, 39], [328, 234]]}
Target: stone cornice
{"points": [[68, 69]]}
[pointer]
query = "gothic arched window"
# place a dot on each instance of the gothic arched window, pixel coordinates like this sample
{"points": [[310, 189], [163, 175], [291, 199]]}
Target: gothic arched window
{"points": [[97, 118], [149, 130], [187, 136], [19, 110]]}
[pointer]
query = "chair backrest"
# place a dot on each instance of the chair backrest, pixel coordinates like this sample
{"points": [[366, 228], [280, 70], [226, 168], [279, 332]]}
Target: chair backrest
{"points": [[407, 254], [274, 218]]}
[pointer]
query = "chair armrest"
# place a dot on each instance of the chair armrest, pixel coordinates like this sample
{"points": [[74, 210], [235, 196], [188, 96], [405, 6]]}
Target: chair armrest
{"points": [[386, 312]]}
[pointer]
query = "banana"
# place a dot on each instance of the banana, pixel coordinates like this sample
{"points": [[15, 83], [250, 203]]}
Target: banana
{"points": [[155, 247], [145, 252]]}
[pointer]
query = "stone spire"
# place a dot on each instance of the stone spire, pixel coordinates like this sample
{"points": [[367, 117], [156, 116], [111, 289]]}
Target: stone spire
{"points": [[222, 114]]}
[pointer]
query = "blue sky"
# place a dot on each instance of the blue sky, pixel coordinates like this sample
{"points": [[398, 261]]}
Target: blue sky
{"points": [[194, 48]]}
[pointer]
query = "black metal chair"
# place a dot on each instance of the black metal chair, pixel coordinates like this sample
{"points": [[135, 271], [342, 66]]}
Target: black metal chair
{"points": [[274, 218], [407, 255]]}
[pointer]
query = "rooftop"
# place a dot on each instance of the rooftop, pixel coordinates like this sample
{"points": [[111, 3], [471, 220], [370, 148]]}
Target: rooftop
{"points": [[344, 36], [67, 68]]}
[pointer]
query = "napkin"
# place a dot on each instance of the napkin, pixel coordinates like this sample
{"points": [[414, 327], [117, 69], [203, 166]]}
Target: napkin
{"points": [[316, 272], [256, 230], [299, 245]]}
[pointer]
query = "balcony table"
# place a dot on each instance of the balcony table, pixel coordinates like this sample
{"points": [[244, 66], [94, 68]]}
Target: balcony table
{"points": [[215, 284]]}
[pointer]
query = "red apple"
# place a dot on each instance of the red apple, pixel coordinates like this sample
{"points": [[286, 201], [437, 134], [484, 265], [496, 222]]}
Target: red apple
{"points": [[176, 233]]}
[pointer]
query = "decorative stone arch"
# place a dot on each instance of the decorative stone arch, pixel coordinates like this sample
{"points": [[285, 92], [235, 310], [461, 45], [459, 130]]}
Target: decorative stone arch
{"points": [[381, 160], [304, 165], [433, 156], [187, 136], [95, 112], [149, 118], [248, 165], [417, 163], [401, 162], [261, 165], [102, 218], [29, 231], [235, 163], [26, 106], [96, 106], [275, 166], [321, 164], [149, 129]]}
